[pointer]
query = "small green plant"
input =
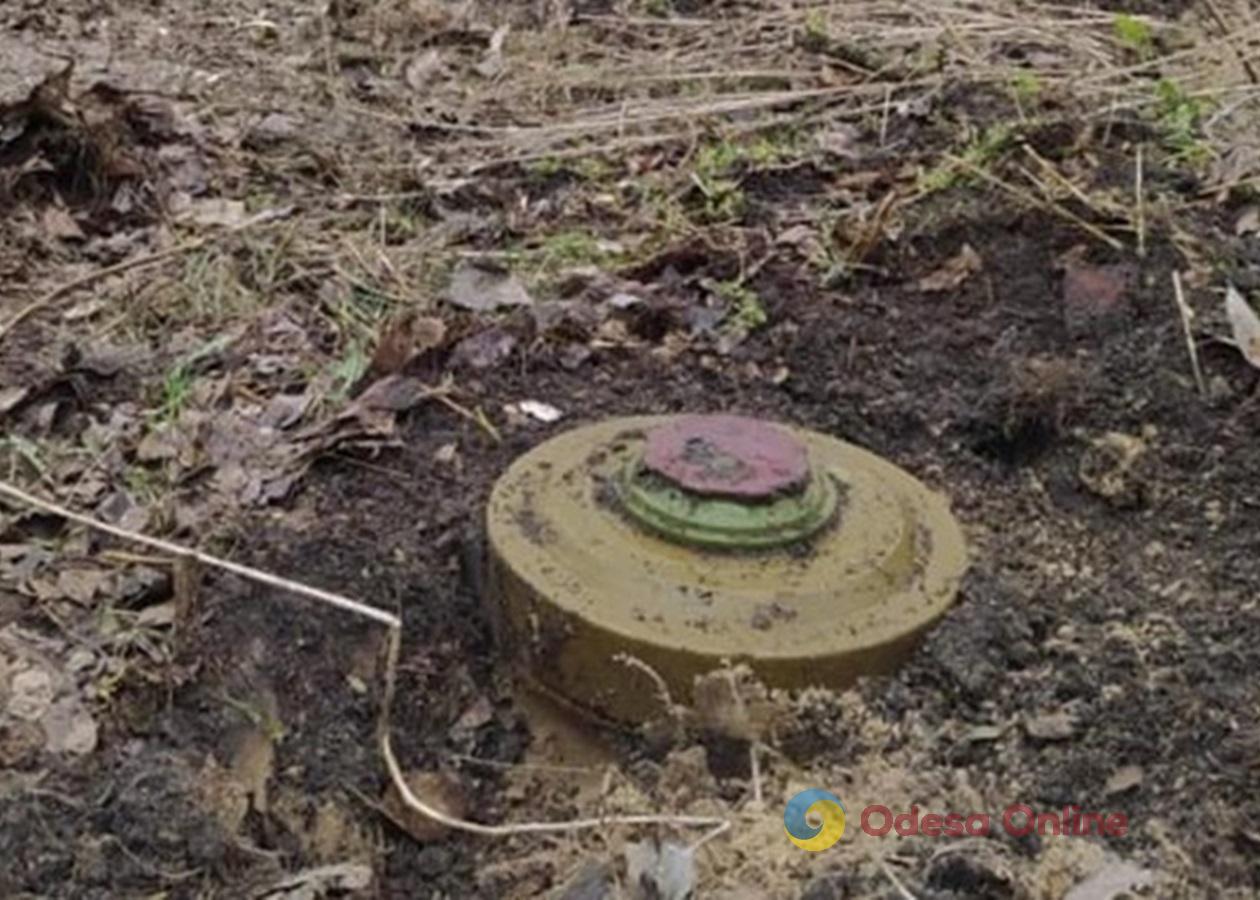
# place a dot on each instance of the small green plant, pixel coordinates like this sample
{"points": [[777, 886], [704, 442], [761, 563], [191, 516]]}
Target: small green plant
{"points": [[347, 371], [816, 34], [258, 715], [568, 248], [17, 448], [979, 153], [178, 383], [1180, 118], [745, 312], [714, 176], [1026, 87], [1134, 34], [587, 168], [176, 388]]}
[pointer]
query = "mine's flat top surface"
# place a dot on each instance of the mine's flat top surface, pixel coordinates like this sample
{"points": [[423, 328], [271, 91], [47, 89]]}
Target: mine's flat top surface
{"points": [[727, 456]]}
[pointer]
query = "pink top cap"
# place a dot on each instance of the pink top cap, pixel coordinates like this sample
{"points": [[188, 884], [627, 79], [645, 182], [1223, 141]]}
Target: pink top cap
{"points": [[727, 456]]}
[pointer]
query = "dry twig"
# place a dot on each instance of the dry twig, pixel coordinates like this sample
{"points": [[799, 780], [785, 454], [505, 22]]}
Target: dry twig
{"points": [[1187, 315], [1034, 200], [137, 262], [394, 626]]}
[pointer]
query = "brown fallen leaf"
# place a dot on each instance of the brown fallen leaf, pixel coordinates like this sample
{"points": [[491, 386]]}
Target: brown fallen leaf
{"points": [[484, 289], [403, 340], [59, 224], [952, 273], [485, 349], [82, 585], [395, 393]]}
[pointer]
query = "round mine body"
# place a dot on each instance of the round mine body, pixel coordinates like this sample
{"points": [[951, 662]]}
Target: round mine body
{"points": [[680, 544]]}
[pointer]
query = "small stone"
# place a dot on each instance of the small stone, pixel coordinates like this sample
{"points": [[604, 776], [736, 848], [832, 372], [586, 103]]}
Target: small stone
{"points": [[1123, 780], [1057, 726]]}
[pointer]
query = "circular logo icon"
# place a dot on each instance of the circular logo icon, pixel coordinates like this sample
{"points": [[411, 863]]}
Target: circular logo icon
{"points": [[827, 812]]}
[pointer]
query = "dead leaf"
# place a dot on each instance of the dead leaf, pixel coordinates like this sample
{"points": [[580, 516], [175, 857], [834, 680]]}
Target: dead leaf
{"points": [[31, 694], [1248, 222], [273, 129], [157, 616], [481, 712], [286, 410], [436, 789], [660, 871], [804, 238], [101, 359], [492, 64], [395, 393], [403, 340], [69, 728], [213, 212], [1115, 879], [85, 310], [163, 443], [952, 273], [423, 69], [841, 141], [60, 225], [324, 881], [12, 397], [20, 742], [592, 881], [485, 349], [1245, 324], [82, 585], [1122, 780], [482, 289]]}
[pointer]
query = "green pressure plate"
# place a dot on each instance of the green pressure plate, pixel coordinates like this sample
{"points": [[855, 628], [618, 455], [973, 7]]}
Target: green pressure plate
{"points": [[684, 542]]}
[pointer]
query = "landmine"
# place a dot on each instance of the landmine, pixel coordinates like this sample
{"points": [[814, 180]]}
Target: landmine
{"points": [[688, 542]]}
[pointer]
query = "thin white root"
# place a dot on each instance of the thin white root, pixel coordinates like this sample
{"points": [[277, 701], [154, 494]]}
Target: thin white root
{"points": [[896, 882], [672, 709], [1186, 316], [394, 625], [754, 763]]}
